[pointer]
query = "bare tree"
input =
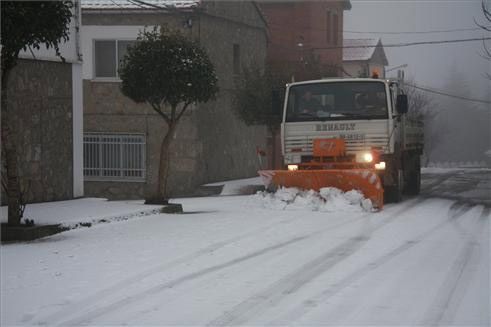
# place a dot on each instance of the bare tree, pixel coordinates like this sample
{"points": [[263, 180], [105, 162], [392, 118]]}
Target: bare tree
{"points": [[486, 9], [423, 108]]}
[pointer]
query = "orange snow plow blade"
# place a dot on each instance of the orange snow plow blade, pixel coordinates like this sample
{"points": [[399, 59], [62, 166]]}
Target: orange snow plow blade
{"points": [[364, 180]]}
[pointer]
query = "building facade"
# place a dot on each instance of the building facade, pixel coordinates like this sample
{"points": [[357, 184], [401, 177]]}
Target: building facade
{"points": [[306, 36], [122, 139], [46, 96], [306, 39]]}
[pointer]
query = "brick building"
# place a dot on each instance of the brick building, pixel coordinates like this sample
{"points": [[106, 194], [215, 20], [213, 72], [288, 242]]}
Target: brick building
{"points": [[306, 36], [122, 139], [306, 39]]}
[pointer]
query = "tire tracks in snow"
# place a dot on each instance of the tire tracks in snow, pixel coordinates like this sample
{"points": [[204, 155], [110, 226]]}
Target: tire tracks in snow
{"points": [[455, 185], [137, 278], [75, 309], [277, 291], [82, 312], [286, 286], [313, 302], [87, 317], [458, 208], [450, 294], [428, 190]]}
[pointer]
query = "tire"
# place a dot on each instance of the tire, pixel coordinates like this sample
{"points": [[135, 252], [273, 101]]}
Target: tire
{"points": [[271, 188], [413, 182], [393, 193]]}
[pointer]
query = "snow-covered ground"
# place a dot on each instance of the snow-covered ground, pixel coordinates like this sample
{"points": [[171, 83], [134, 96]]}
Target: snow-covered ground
{"points": [[259, 260], [73, 213]]}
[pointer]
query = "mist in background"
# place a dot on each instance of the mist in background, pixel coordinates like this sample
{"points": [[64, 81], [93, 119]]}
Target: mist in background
{"points": [[462, 128]]}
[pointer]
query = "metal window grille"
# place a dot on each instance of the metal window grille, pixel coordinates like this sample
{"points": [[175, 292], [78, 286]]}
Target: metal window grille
{"points": [[114, 156]]}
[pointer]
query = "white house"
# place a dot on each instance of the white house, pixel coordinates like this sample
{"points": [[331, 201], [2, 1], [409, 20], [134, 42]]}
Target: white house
{"points": [[363, 57]]}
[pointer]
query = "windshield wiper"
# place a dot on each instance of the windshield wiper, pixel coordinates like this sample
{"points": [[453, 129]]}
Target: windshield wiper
{"points": [[343, 114], [358, 115], [307, 114]]}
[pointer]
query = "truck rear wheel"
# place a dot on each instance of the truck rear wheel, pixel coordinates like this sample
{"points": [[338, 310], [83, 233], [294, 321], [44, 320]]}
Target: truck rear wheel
{"points": [[413, 182], [393, 193]]}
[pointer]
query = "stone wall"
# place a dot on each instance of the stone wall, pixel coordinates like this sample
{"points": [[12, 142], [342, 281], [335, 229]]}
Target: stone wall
{"points": [[40, 93], [211, 143], [230, 147]]}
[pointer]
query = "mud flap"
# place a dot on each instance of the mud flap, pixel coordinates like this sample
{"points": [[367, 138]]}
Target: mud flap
{"points": [[364, 180]]}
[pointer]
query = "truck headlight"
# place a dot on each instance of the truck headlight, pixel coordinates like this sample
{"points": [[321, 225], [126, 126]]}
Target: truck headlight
{"points": [[380, 165], [292, 167], [368, 157], [364, 157]]}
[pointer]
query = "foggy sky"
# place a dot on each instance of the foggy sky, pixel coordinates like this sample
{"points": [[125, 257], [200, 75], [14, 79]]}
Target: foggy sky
{"points": [[428, 65], [462, 129]]}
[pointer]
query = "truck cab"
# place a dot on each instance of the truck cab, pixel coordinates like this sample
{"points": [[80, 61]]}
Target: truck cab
{"points": [[368, 115]]}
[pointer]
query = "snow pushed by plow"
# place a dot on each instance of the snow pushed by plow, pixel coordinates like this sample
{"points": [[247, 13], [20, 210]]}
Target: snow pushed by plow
{"points": [[328, 199]]}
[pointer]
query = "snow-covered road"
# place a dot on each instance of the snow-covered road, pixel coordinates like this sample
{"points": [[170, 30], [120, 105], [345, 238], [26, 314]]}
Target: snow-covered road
{"points": [[234, 261]]}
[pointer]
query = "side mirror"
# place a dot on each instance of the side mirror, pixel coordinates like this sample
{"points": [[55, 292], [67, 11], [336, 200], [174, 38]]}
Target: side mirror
{"points": [[401, 104]]}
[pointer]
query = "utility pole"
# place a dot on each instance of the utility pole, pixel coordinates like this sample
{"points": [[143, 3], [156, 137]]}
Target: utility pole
{"points": [[402, 118], [396, 67], [400, 77]]}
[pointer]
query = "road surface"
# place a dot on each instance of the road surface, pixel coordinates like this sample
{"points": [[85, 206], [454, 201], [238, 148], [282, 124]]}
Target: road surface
{"points": [[231, 261], [470, 186]]}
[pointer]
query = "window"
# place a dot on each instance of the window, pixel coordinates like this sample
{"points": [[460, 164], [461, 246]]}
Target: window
{"points": [[114, 156], [108, 55], [236, 59]]}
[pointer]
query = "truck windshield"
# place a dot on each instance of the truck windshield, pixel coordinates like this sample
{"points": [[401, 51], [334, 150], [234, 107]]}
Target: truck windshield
{"points": [[337, 101]]}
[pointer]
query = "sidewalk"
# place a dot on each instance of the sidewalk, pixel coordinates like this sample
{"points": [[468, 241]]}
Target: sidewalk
{"points": [[83, 212], [86, 212]]}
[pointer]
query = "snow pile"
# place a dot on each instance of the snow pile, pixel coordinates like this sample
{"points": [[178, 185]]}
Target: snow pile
{"points": [[239, 186], [328, 199]]}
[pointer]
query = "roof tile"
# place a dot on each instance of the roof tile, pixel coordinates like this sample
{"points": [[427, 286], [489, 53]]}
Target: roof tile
{"points": [[358, 49]]}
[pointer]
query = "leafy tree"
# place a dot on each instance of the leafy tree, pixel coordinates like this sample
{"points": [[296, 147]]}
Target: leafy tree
{"points": [[254, 98], [169, 72], [25, 25], [259, 93], [258, 100]]}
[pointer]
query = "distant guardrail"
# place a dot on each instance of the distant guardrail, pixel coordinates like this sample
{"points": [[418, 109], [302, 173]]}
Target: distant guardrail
{"points": [[460, 164]]}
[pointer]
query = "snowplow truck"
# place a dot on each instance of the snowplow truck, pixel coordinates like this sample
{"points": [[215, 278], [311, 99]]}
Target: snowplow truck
{"points": [[349, 134]]}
